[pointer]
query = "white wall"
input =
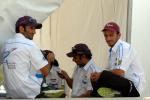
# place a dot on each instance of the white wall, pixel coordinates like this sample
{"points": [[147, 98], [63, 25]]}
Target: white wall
{"points": [[140, 36]]}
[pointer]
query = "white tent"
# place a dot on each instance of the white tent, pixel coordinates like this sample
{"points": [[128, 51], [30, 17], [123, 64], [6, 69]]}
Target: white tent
{"points": [[81, 21], [11, 10], [76, 21]]}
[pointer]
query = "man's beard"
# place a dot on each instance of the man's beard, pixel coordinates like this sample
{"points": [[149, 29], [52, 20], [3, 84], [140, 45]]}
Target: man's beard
{"points": [[29, 38], [81, 65]]}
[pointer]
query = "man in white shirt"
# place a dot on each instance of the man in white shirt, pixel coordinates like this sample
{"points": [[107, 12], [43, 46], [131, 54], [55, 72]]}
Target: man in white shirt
{"points": [[123, 59], [23, 61], [80, 83]]}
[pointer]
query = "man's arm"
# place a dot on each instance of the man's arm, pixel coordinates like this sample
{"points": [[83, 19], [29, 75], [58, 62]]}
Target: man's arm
{"points": [[45, 70], [65, 76], [50, 58], [119, 72], [95, 76], [69, 82]]}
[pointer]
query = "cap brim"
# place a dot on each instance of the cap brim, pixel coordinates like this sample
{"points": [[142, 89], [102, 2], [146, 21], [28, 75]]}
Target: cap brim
{"points": [[108, 29], [70, 54], [38, 26]]}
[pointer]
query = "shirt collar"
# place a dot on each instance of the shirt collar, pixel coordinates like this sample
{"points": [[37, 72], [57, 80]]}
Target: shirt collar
{"points": [[114, 48], [88, 65], [19, 35]]}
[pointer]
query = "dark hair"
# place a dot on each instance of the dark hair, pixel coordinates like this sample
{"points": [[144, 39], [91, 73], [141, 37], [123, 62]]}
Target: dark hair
{"points": [[88, 54], [45, 53], [118, 32], [17, 28]]}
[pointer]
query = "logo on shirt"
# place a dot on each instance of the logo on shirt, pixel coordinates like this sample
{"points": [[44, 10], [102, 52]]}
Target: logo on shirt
{"points": [[6, 53], [118, 62], [84, 81]]}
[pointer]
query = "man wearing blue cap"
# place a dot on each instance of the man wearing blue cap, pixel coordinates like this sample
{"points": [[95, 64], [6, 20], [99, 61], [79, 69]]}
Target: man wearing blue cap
{"points": [[23, 61], [80, 83]]}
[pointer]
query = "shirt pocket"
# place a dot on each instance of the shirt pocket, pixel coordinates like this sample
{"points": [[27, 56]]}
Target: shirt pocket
{"points": [[84, 81]]}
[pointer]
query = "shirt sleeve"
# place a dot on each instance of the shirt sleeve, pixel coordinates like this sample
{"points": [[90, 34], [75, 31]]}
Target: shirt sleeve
{"points": [[37, 58]]}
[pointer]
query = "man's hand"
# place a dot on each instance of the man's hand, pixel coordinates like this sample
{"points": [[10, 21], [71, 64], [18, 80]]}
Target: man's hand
{"points": [[119, 72], [62, 74], [50, 57], [95, 76]]}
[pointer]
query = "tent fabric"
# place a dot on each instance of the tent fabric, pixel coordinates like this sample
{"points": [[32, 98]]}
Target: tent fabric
{"points": [[81, 21], [11, 10], [77, 21]]}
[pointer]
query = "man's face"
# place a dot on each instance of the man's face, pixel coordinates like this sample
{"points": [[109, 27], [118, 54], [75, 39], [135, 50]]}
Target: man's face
{"points": [[111, 37], [78, 60], [29, 32]]}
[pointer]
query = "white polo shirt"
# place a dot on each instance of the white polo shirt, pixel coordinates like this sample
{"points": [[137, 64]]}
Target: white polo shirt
{"points": [[81, 78], [21, 61], [123, 56]]}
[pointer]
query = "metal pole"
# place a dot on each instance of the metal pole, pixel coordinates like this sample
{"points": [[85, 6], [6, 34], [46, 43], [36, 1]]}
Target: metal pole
{"points": [[129, 21]]}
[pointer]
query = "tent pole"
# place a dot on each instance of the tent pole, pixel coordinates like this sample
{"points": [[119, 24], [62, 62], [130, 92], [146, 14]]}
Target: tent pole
{"points": [[129, 21]]}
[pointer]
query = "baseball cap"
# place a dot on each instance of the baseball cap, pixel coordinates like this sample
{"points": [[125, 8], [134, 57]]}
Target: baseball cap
{"points": [[79, 49], [111, 26], [28, 21]]}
